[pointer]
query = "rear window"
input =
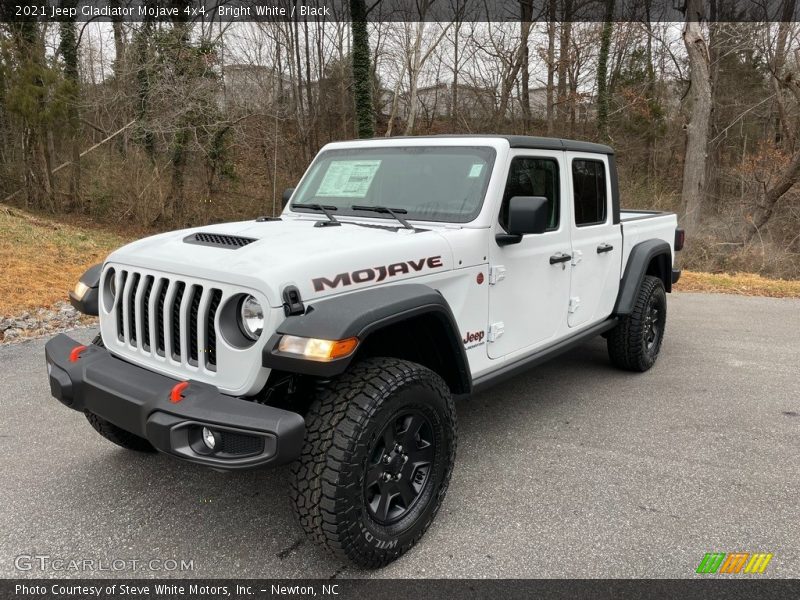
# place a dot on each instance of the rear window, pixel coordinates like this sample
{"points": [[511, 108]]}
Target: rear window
{"points": [[589, 191]]}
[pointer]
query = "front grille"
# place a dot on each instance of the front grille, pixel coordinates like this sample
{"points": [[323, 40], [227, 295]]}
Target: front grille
{"points": [[211, 330], [219, 240], [176, 317], [148, 287], [162, 297], [176, 321], [194, 307]]}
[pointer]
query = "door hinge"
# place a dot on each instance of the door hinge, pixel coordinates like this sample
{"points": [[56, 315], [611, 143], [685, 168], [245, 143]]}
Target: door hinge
{"points": [[496, 330], [574, 303], [577, 256], [496, 273]]}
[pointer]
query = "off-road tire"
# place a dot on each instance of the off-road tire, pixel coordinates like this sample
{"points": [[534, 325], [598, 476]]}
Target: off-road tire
{"points": [[118, 436], [348, 419], [630, 344]]}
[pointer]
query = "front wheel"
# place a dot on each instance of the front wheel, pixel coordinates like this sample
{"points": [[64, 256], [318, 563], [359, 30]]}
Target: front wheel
{"points": [[379, 450], [635, 342]]}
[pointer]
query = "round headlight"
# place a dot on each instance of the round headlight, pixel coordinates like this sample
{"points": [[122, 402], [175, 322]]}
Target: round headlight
{"points": [[251, 318]]}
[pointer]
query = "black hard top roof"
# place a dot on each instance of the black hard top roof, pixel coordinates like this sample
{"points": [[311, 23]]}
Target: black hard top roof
{"points": [[533, 142]]}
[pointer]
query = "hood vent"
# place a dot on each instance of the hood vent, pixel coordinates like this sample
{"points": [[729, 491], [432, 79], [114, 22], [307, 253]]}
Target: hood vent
{"points": [[219, 240]]}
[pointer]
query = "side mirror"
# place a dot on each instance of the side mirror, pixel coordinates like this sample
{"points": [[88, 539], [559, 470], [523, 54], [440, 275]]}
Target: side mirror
{"points": [[526, 214], [287, 195]]}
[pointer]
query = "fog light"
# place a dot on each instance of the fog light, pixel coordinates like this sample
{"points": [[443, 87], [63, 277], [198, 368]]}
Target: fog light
{"points": [[211, 438], [80, 290]]}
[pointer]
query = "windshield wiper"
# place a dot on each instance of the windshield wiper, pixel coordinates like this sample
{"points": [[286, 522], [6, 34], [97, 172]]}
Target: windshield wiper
{"points": [[395, 212], [325, 209]]}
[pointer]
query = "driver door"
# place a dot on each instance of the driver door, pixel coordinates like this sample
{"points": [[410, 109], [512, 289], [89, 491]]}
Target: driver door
{"points": [[528, 295]]}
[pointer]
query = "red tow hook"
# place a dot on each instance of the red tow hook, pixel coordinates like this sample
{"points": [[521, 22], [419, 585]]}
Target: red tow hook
{"points": [[75, 354], [176, 395]]}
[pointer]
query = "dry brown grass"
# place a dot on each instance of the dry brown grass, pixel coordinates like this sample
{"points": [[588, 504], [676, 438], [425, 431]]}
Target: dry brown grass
{"points": [[41, 259], [747, 284]]}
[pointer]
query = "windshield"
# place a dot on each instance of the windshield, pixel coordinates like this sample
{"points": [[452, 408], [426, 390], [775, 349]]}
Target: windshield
{"points": [[428, 183]]}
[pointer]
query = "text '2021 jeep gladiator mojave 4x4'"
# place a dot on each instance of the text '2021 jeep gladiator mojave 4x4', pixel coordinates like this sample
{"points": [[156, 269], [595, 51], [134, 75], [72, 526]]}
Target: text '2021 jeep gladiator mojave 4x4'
{"points": [[403, 273]]}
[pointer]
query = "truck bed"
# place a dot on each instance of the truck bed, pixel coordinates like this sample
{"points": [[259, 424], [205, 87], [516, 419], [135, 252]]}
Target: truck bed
{"points": [[626, 214], [640, 225]]}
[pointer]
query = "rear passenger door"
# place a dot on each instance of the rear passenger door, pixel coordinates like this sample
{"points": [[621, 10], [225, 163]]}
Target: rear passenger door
{"points": [[596, 240]]}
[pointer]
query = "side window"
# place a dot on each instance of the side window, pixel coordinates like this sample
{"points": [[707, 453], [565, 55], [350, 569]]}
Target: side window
{"points": [[533, 177], [589, 191]]}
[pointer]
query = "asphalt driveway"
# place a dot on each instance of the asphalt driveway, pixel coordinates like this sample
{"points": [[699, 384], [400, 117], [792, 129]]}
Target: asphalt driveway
{"points": [[571, 470]]}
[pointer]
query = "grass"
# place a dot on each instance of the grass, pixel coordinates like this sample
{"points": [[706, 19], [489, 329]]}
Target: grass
{"points": [[747, 284], [42, 258]]}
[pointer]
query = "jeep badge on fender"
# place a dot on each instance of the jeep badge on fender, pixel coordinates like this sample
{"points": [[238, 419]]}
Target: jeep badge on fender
{"points": [[336, 338]]}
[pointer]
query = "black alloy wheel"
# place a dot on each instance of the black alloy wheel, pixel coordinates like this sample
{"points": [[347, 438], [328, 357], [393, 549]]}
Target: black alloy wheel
{"points": [[400, 465]]}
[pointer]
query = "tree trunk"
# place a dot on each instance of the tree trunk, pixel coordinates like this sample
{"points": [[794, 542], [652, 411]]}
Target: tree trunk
{"points": [[414, 66], [603, 95], [119, 45], [784, 128], [694, 167], [142, 53], [395, 102], [310, 106], [651, 92], [526, 14], [362, 84], [454, 94], [69, 52], [563, 61], [764, 211], [551, 66]]}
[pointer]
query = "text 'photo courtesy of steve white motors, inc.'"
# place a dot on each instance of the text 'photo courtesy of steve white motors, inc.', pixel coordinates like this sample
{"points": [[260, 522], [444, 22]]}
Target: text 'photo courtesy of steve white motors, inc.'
{"points": [[146, 589]]}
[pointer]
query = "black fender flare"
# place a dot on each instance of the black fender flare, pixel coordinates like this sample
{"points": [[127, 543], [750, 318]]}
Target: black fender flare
{"points": [[635, 270], [361, 314], [88, 304]]}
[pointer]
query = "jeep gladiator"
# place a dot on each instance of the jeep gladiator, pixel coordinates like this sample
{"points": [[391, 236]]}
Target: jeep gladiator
{"points": [[401, 274]]}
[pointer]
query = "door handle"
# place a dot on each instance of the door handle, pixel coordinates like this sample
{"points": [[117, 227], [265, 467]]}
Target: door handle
{"points": [[604, 248], [560, 258]]}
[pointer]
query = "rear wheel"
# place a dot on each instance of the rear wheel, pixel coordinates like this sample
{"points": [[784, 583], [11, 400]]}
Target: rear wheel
{"points": [[635, 342], [118, 436], [380, 446]]}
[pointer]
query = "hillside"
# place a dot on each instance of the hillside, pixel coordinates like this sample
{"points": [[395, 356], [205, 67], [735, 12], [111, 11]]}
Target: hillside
{"points": [[42, 258]]}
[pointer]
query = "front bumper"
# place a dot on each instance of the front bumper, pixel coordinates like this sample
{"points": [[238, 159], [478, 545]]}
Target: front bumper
{"points": [[139, 401]]}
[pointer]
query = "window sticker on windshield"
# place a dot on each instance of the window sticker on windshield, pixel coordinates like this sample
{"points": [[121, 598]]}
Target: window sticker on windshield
{"points": [[476, 170], [348, 178]]}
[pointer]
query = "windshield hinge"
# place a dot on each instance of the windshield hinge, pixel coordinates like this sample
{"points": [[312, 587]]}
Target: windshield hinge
{"points": [[496, 273], [292, 302]]}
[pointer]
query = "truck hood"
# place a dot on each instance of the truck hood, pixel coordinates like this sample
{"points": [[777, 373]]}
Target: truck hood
{"points": [[319, 261]]}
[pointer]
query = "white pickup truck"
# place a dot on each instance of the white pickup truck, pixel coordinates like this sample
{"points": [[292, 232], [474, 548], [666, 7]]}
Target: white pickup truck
{"points": [[402, 273]]}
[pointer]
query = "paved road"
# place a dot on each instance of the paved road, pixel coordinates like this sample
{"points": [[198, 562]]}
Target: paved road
{"points": [[572, 470]]}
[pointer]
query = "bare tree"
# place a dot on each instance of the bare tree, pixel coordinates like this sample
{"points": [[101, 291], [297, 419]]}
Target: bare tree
{"points": [[417, 55], [694, 168]]}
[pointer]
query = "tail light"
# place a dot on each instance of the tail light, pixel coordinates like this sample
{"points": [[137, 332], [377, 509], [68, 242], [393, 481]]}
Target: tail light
{"points": [[680, 238]]}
